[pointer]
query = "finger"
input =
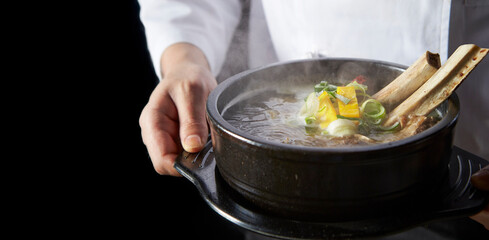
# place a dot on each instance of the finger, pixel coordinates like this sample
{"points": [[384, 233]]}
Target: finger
{"points": [[193, 126], [190, 100], [480, 179], [159, 130], [162, 147]]}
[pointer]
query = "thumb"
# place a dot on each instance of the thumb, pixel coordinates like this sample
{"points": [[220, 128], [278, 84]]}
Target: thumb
{"points": [[193, 124], [194, 135]]}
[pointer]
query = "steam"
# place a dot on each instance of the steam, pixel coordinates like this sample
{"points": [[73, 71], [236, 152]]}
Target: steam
{"points": [[237, 54], [261, 48]]}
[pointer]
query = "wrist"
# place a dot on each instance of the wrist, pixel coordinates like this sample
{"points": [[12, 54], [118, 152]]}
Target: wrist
{"points": [[180, 54]]}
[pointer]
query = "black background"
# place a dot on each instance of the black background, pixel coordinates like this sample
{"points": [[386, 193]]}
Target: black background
{"points": [[97, 179], [160, 205]]}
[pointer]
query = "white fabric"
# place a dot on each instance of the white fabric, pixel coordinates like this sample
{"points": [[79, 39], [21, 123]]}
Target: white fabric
{"points": [[390, 30], [208, 25]]}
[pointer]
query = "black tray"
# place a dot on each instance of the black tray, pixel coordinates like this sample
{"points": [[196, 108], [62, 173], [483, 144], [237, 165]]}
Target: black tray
{"points": [[458, 199]]}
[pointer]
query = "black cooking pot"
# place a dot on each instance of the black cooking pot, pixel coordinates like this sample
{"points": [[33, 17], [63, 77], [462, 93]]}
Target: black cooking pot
{"points": [[338, 183]]}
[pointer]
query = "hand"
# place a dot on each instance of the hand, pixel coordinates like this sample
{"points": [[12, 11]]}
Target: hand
{"points": [[480, 180], [174, 117]]}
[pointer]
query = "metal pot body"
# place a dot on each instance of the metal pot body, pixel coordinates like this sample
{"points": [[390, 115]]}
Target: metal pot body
{"points": [[341, 183]]}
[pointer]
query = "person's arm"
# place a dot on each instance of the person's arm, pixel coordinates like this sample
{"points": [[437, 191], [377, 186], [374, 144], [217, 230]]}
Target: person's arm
{"points": [[187, 40]]}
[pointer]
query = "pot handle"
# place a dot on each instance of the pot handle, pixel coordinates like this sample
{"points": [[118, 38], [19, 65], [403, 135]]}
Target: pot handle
{"points": [[199, 169], [461, 198]]}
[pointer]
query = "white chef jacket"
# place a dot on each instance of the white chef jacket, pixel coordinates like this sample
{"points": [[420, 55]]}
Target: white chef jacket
{"points": [[396, 31]]}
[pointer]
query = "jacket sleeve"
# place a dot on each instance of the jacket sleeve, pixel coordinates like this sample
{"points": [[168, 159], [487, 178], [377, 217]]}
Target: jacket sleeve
{"points": [[207, 24]]}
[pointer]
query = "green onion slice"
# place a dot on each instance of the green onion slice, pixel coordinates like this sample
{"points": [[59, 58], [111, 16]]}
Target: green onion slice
{"points": [[344, 99], [310, 120], [358, 86], [390, 128], [320, 86], [373, 110], [324, 86], [348, 118]]}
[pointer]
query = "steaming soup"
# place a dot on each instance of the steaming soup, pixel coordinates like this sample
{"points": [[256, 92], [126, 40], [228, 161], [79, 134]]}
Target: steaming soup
{"points": [[330, 116]]}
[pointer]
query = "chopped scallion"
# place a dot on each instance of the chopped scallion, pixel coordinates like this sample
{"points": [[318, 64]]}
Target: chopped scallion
{"points": [[373, 110], [344, 99], [348, 118], [310, 120], [390, 128]]}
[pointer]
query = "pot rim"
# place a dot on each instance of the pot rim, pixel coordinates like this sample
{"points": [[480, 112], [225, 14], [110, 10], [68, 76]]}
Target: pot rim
{"points": [[215, 118]]}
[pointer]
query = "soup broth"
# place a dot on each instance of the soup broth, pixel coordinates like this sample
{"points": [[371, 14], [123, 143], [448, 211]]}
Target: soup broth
{"points": [[272, 114]]}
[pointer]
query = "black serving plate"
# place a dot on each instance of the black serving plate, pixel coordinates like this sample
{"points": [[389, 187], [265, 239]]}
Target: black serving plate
{"points": [[457, 198]]}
